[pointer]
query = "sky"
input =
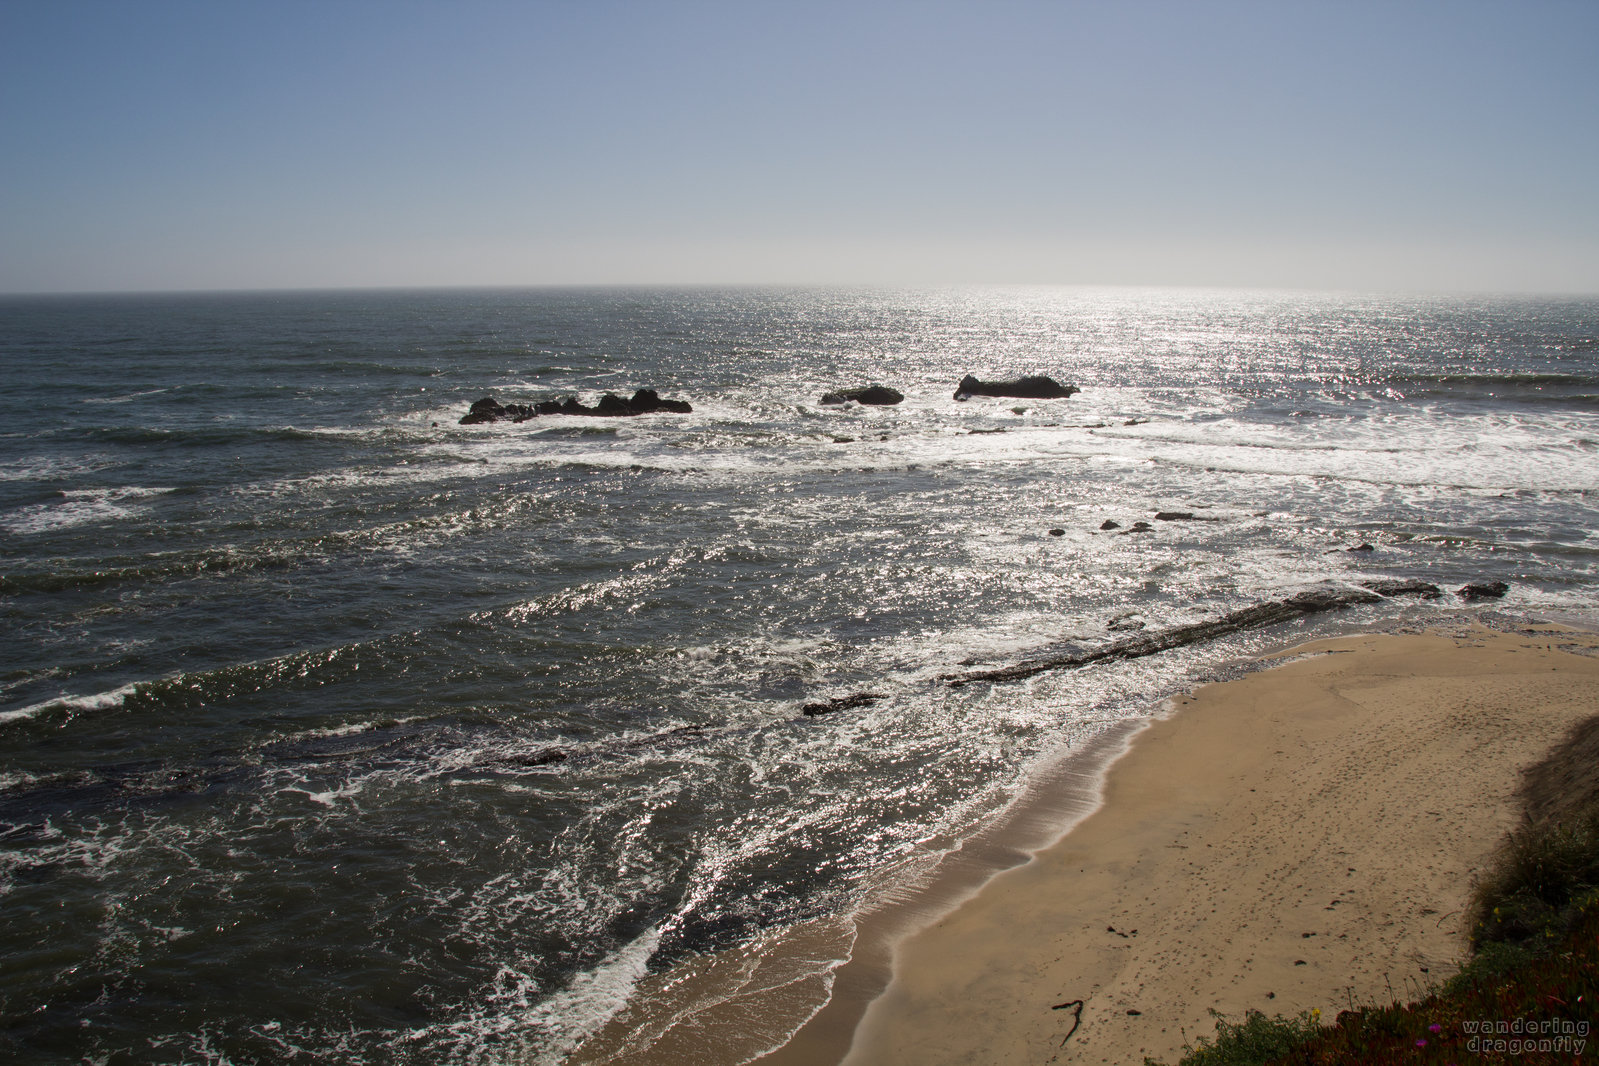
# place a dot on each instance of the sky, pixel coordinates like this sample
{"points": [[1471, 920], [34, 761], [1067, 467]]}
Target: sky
{"points": [[1447, 146]]}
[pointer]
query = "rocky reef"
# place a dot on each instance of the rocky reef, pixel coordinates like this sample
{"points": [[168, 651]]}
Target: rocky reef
{"points": [[643, 402]]}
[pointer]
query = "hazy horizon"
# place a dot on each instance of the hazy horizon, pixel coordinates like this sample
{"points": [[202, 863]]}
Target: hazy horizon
{"points": [[1221, 290], [1360, 147]]}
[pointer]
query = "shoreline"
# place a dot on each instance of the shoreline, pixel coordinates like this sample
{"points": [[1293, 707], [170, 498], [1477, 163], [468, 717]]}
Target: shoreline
{"points": [[1059, 799], [1300, 838], [868, 1010], [699, 1012]]}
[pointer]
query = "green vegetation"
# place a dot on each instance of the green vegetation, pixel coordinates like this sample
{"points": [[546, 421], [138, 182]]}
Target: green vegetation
{"points": [[1545, 874], [1529, 993], [1258, 1039]]}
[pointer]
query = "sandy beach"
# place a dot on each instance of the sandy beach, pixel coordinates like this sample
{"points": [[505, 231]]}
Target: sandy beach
{"points": [[1298, 839]]}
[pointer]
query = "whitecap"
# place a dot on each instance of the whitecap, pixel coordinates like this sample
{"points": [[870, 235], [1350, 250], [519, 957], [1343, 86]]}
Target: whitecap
{"points": [[593, 997], [127, 396], [99, 701], [52, 467], [545, 1031], [79, 507]]}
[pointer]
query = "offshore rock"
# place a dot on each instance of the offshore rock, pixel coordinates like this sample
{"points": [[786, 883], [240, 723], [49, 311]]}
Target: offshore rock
{"points": [[648, 401], [1034, 387], [873, 395], [488, 409], [643, 402], [1493, 590]]}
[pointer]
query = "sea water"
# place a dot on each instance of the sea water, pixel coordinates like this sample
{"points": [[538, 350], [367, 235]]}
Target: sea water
{"points": [[334, 730]]}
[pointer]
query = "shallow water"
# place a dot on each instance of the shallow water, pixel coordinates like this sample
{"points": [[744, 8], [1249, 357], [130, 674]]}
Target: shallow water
{"points": [[336, 730]]}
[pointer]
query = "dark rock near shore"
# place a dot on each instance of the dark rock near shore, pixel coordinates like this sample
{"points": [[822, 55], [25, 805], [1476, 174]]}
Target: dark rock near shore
{"points": [[872, 395], [1110, 524], [643, 402], [1034, 387], [1492, 590], [1174, 516], [842, 703]]}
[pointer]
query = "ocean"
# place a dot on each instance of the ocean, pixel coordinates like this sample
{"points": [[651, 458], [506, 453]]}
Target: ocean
{"points": [[334, 730]]}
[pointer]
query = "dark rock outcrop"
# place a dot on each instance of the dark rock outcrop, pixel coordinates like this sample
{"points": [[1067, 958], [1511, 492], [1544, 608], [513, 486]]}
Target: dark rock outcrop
{"points": [[1034, 387], [488, 409], [1404, 587], [1492, 590], [872, 395], [643, 402], [648, 402]]}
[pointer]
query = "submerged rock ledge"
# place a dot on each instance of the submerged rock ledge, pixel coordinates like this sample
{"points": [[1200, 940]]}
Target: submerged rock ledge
{"points": [[1313, 601]]}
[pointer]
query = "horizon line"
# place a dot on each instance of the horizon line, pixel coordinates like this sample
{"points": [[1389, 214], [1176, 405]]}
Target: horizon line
{"points": [[269, 290]]}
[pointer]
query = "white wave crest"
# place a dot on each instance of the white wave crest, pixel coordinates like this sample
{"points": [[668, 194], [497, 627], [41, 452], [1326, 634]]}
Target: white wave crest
{"points": [[99, 701], [79, 507]]}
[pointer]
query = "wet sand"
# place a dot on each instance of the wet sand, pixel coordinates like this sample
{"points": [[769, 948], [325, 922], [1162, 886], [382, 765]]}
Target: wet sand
{"points": [[1301, 838]]}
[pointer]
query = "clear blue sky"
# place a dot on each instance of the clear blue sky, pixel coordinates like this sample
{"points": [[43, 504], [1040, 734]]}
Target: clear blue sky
{"points": [[160, 144]]}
